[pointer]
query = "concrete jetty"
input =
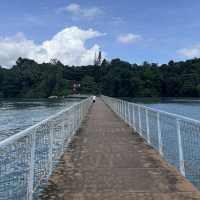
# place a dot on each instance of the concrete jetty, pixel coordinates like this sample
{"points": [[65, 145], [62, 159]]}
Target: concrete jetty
{"points": [[108, 161]]}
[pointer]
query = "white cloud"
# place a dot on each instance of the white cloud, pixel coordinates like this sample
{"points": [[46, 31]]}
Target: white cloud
{"points": [[128, 38], [190, 52], [78, 10], [68, 46], [73, 8]]}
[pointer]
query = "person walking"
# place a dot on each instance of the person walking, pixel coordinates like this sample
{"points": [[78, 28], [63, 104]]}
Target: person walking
{"points": [[94, 99]]}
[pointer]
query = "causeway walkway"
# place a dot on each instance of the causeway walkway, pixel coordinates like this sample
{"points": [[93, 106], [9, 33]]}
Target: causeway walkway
{"points": [[107, 161]]}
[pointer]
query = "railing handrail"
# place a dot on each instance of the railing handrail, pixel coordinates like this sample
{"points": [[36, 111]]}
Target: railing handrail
{"points": [[27, 130], [161, 111]]}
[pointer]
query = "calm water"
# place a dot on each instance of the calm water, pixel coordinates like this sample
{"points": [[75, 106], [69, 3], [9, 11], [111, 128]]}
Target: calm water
{"points": [[187, 107], [17, 115]]}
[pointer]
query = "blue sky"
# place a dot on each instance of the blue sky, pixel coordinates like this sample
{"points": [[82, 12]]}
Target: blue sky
{"points": [[134, 30]]}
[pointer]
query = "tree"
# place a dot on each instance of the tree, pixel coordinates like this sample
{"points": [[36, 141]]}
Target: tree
{"points": [[116, 78], [88, 85], [198, 90]]}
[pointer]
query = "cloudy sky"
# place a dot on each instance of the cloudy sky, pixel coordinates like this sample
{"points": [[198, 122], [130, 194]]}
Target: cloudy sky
{"points": [[71, 31]]}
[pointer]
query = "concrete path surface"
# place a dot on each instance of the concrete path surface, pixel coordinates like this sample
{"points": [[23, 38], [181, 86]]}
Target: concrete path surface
{"points": [[107, 161]]}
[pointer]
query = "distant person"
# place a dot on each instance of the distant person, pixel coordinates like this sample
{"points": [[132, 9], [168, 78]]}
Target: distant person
{"points": [[94, 99]]}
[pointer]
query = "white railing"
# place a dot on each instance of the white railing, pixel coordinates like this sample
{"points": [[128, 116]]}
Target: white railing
{"points": [[28, 158], [177, 138]]}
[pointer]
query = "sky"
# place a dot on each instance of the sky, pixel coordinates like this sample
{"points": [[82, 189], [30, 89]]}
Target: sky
{"points": [[72, 31]]}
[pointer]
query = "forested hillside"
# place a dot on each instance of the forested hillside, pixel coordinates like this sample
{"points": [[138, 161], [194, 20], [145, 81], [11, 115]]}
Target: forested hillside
{"points": [[116, 78]]}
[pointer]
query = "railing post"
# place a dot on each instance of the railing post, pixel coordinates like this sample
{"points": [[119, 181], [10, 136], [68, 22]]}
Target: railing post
{"points": [[147, 125], [140, 124], [73, 121], [78, 115], [51, 148], [129, 115], [125, 111], [84, 108], [32, 165], [81, 112], [121, 110], [76, 121], [159, 135], [117, 108], [63, 136], [74, 111], [124, 106], [133, 113], [180, 147]]}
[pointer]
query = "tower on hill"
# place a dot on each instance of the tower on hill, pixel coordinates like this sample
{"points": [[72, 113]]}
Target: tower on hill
{"points": [[98, 59]]}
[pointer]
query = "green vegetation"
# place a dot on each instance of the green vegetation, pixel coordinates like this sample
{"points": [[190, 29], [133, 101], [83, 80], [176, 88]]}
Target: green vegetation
{"points": [[116, 78], [88, 85]]}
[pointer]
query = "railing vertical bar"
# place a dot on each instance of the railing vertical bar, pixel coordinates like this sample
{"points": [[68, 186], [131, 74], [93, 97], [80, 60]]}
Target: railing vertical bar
{"points": [[32, 166], [63, 137], [125, 111], [129, 114], [159, 135], [147, 125], [121, 109], [51, 149], [134, 127], [122, 116], [140, 124], [180, 147]]}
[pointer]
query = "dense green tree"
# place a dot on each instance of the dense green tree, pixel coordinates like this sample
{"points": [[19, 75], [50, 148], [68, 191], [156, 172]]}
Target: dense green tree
{"points": [[88, 85], [116, 78]]}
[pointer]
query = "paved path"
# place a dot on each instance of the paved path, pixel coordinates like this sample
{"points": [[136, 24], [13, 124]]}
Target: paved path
{"points": [[108, 162]]}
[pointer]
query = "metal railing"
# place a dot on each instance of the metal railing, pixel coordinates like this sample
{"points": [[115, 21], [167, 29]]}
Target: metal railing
{"points": [[28, 158], [177, 138]]}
